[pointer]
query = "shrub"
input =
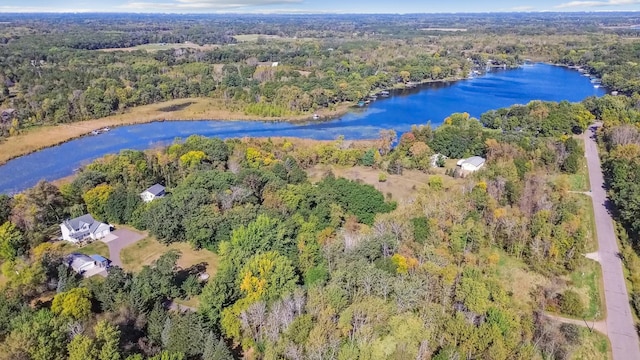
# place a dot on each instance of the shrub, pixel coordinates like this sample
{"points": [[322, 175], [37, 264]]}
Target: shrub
{"points": [[571, 163], [571, 333], [571, 304], [435, 182], [420, 229], [382, 177]]}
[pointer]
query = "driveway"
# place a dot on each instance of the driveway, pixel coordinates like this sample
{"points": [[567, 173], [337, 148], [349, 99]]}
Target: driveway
{"points": [[118, 240], [619, 322]]}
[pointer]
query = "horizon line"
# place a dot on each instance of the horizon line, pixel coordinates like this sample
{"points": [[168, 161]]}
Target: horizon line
{"points": [[305, 12]]}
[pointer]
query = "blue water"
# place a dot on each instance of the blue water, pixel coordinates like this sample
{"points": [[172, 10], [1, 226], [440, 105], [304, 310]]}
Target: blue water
{"points": [[432, 102]]}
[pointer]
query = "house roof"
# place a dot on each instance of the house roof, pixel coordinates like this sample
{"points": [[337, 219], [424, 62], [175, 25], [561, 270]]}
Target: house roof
{"points": [[156, 189], [78, 261], [476, 161], [75, 224], [98, 258]]}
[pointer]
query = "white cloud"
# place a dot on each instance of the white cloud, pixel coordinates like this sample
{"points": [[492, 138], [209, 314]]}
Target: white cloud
{"points": [[573, 4], [522, 8], [34, 9], [195, 5]]}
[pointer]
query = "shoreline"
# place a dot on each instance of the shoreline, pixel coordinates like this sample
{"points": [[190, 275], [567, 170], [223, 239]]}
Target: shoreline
{"points": [[190, 109], [39, 138]]}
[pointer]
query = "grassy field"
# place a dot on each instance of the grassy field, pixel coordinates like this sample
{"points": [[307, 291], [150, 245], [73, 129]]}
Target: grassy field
{"points": [[593, 346], [146, 251], [586, 280], [400, 187], [255, 37], [518, 280], [34, 139], [580, 180], [164, 46], [592, 244]]}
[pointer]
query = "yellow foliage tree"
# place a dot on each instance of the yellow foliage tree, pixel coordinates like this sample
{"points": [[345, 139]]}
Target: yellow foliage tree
{"points": [[96, 199], [192, 158], [74, 303]]}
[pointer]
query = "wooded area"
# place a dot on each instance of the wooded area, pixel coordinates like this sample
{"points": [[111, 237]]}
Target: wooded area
{"points": [[334, 269]]}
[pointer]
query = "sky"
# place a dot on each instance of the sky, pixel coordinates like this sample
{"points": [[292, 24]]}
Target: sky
{"points": [[314, 6]]}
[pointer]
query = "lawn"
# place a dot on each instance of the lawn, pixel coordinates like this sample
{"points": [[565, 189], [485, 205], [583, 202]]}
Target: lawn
{"points": [[96, 247], [586, 280], [580, 180], [592, 244], [146, 251]]}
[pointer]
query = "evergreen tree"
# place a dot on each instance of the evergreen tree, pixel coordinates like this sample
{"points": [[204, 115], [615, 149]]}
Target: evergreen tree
{"points": [[216, 349], [107, 340]]}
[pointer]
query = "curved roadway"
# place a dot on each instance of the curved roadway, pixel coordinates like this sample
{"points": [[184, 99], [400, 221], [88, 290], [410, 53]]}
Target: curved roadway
{"points": [[619, 322]]}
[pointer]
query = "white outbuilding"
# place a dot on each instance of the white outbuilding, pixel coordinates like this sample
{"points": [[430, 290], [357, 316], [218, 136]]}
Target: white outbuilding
{"points": [[471, 164]]}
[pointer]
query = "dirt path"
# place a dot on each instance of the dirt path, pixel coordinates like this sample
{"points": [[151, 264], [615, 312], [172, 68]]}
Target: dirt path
{"points": [[600, 326], [619, 322]]}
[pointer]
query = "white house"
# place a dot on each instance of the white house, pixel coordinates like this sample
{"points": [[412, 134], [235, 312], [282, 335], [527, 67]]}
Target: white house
{"points": [[471, 164], [434, 159], [84, 227], [87, 265], [152, 193]]}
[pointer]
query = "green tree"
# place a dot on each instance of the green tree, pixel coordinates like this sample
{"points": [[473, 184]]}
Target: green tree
{"points": [[12, 243], [107, 340], [216, 349], [38, 336], [5, 208], [82, 348]]}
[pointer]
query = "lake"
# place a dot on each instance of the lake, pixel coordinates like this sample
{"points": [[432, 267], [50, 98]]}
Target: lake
{"points": [[431, 102]]}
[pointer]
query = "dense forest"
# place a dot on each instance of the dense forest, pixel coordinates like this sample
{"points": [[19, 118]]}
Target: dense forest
{"points": [[324, 268], [62, 68]]}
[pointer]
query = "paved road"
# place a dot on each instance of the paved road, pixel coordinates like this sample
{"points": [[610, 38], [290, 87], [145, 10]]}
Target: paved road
{"points": [[620, 327], [118, 240]]}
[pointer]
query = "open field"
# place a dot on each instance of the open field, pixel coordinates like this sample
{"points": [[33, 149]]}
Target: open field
{"points": [[34, 139], [255, 37], [445, 29], [518, 279], [146, 251], [401, 187], [164, 46]]}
